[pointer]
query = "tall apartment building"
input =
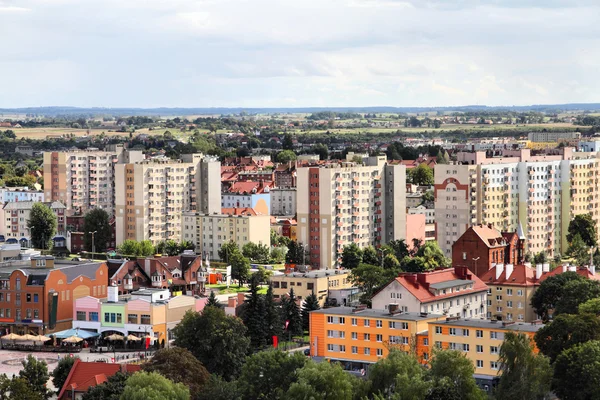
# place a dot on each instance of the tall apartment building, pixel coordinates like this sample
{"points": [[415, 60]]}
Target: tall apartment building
{"points": [[151, 196], [211, 231], [345, 202], [538, 194], [84, 179]]}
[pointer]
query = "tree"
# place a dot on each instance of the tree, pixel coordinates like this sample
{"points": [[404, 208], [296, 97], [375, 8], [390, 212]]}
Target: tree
{"points": [[146, 248], [61, 372], [254, 316], [227, 249], [291, 315], [269, 374], [442, 157], [455, 366], [272, 316], [579, 251], [321, 150], [391, 263], [540, 258], [368, 278], [35, 373], [288, 142], [566, 331], [576, 372], [258, 253], [240, 267], [323, 381], [400, 374], [576, 293], [311, 303], [180, 366], [585, 226], [96, 220], [217, 340], [428, 257], [398, 248], [213, 301], [153, 386], [351, 256], [590, 307], [219, 389], [172, 248], [17, 389], [370, 256], [262, 274], [296, 254], [286, 156], [129, 248], [42, 225], [525, 375], [112, 389], [550, 291], [277, 255], [422, 175]]}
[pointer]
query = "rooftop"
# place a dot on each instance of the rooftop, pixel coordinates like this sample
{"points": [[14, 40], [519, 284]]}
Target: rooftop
{"points": [[320, 273], [449, 284], [368, 312], [491, 324]]}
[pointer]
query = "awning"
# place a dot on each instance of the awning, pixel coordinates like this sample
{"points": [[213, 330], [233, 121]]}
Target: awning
{"points": [[75, 332], [59, 238], [12, 240]]}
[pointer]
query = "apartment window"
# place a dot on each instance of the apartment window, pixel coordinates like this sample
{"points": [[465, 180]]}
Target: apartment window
{"points": [[438, 330], [276, 285], [28, 298], [132, 318], [465, 332], [519, 292], [354, 321], [342, 320], [367, 322], [425, 341], [93, 315], [367, 336], [35, 298], [479, 363], [18, 284], [329, 347], [310, 286], [36, 314], [367, 351], [379, 352], [425, 356], [342, 348], [354, 335], [379, 338], [493, 349], [284, 285], [145, 319], [404, 326], [329, 333], [342, 334], [479, 348], [494, 365], [509, 292], [493, 335], [379, 323], [465, 347], [81, 315], [479, 333], [107, 317], [354, 350], [452, 331]]}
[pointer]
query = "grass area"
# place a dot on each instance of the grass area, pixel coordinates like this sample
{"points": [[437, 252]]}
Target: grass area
{"points": [[233, 289], [42, 132]]}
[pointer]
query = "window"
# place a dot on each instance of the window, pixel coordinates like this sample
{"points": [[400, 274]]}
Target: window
{"points": [[329, 333], [354, 350], [367, 322], [509, 292], [81, 315], [106, 317], [275, 285], [119, 318], [452, 331], [35, 298], [465, 332], [132, 318], [342, 334], [465, 347], [367, 351], [28, 298], [479, 348], [379, 338], [479, 333], [93, 315], [145, 319], [354, 336], [354, 321], [479, 363], [493, 349], [379, 323], [438, 330], [379, 352], [404, 325], [425, 341], [36, 314], [18, 284], [310, 286], [519, 293], [329, 319], [494, 365], [367, 336], [342, 348], [342, 320], [493, 335], [329, 347]]}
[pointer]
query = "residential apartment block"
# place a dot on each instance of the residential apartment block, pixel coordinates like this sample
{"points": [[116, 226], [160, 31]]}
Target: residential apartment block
{"points": [[10, 194], [552, 136], [542, 194], [511, 288], [451, 292], [283, 201], [15, 216], [344, 202], [85, 179], [319, 282], [152, 195], [210, 231]]}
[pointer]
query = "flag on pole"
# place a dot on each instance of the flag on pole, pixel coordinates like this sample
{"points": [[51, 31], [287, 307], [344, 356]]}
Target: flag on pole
{"points": [[147, 342], [275, 341]]}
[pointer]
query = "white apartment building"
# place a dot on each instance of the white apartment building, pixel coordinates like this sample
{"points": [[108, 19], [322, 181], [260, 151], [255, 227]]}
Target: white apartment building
{"points": [[210, 231], [10, 194], [15, 216], [84, 179], [151, 196], [283, 201], [345, 202], [538, 194], [552, 136]]}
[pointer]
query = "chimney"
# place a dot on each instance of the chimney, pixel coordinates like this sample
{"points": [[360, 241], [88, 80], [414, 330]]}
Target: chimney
{"points": [[593, 269], [509, 270], [499, 270], [546, 267], [232, 302], [113, 294], [564, 267], [538, 271], [241, 297]]}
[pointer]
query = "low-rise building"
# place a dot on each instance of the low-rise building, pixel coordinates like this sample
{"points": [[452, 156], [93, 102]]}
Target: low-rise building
{"points": [[319, 282], [10, 194], [451, 292], [210, 231], [248, 194], [15, 216]]}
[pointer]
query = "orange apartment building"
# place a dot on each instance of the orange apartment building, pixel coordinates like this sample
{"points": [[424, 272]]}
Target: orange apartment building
{"points": [[38, 297]]}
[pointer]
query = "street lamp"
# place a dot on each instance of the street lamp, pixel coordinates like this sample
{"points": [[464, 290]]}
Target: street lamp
{"points": [[93, 244], [382, 250]]}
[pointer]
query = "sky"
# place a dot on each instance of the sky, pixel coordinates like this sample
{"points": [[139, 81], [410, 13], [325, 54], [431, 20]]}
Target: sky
{"points": [[298, 53]]}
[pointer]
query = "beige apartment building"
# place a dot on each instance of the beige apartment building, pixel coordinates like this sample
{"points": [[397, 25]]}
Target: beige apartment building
{"points": [[151, 196], [210, 231], [15, 216], [538, 194], [319, 282], [347, 202], [84, 179]]}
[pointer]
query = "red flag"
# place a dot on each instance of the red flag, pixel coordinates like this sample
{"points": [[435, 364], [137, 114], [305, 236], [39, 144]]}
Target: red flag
{"points": [[147, 343], [275, 341]]}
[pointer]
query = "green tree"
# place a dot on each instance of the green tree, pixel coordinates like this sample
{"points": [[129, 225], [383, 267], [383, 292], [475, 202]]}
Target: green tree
{"points": [[97, 220], [550, 291], [227, 250], [42, 225], [269, 374], [525, 375], [153, 386], [61, 372], [286, 156], [296, 254], [17, 389], [272, 316], [35, 373], [254, 316], [566, 331], [540, 258], [311, 303], [398, 374], [370, 256], [428, 257], [291, 315], [351, 256], [576, 293], [112, 389], [590, 307], [213, 301], [456, 367], [277, 255], [576, 372], [257, 253], [129, 248], [443, 389], [180, 366], [585, 226], [288, 142], [442, 157], [240, 267], [391, 263], [172, 248], [219, 389], [321, 381], [321, 150], [368, 278], [217, 340], [579, 251], [398, 248], [146, 248], [422, 175]]}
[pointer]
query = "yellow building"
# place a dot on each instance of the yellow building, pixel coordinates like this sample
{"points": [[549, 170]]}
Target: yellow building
{"points": [[361, 336], [318, 282]]}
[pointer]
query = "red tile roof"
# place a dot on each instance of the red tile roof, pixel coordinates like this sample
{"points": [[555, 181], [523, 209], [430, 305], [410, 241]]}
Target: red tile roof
{"points": [[418, 284], [238, 211], [241, 187], [490, 236], [84, 375], [523, 275]]}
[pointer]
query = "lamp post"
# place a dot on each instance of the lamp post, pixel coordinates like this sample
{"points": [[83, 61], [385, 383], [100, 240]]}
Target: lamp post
{"points": [[382, 250], [93, 244]]}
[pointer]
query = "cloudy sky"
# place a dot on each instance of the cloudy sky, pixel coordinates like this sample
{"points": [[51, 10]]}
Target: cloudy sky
{"points": [[292, 53]]}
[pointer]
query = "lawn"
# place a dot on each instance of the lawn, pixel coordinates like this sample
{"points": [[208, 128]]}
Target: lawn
{"points": [[235, 289]]}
